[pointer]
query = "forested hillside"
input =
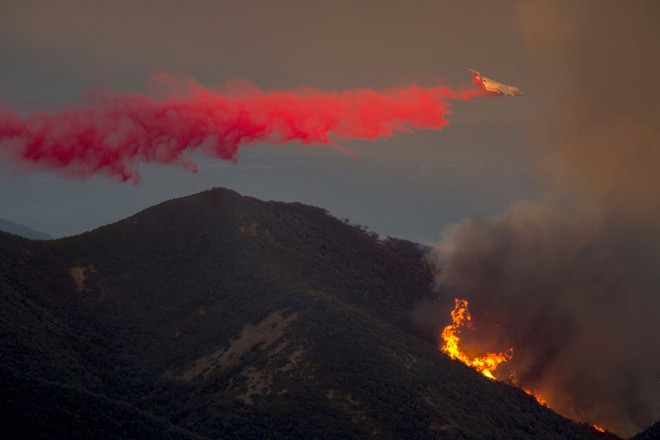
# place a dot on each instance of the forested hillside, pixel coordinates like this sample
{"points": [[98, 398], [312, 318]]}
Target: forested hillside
{"points": [[218, 315]]}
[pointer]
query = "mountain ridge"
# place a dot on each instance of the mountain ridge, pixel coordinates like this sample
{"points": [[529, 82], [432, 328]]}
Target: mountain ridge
{"points": [[22, 230], [219, 315]]}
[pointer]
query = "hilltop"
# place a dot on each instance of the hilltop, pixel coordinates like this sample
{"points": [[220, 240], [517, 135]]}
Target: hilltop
{"points": [[218, 315]]}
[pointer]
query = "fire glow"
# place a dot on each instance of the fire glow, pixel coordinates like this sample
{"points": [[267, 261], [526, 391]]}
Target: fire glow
{"points": [[113, 134], [486, 364], [535, 394], [461, 318]]}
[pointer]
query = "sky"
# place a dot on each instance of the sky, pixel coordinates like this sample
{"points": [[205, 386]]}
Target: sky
{"points": [[410, 186]]}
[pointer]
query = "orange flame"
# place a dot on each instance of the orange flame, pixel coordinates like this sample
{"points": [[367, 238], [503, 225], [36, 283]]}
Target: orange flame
{"points": [[486, 365], [460, 317], [537, 396]]}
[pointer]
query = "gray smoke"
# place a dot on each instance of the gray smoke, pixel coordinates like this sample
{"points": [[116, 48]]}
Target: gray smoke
{"points": [[572, 281]]}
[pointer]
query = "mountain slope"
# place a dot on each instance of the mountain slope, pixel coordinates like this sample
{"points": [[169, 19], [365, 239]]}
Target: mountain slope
{"points": [[22, 230], [218, 315], [651, 433]]}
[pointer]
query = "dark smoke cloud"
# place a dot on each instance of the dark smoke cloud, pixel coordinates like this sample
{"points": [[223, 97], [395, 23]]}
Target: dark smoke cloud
{"points": [[113, 134], [572, 281]]}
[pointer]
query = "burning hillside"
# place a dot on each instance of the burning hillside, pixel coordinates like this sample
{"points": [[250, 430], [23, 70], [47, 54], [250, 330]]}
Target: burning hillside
{"points": [[486, 364], [461, 318]]}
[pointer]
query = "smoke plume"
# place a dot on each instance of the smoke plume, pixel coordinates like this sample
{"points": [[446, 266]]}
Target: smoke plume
{"points": [[572, 281], [113, 134]]}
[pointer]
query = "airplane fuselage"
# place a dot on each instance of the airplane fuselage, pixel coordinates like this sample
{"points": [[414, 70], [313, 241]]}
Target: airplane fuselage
{"points": [[499, 88], [493, 86]]}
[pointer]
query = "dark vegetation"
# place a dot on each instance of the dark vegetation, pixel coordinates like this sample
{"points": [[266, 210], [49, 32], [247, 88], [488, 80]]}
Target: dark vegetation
{"points": [[128, 332], [652, 433]]}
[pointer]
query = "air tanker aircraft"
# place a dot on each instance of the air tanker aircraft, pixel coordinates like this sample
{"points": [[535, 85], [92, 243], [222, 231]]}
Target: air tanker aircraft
{"points": [[493, 86]]}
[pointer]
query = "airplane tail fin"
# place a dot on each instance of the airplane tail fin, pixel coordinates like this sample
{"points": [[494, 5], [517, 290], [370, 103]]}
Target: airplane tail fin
{"points": [[477, 80]]}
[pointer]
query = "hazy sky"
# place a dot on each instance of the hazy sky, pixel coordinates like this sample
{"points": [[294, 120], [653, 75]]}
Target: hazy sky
{"points": [[409, 186]]}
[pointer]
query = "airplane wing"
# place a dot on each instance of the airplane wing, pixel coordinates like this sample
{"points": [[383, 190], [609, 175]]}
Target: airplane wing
{"points": [[512, 91]]}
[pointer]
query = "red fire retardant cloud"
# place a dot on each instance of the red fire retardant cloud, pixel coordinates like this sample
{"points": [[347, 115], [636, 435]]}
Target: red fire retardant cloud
{"points": [[113, 134]]}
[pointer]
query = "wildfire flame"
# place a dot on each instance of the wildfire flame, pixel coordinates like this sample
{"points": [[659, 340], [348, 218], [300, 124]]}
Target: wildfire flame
{"points": [[535, 394], [460, 318], [486, 364]]}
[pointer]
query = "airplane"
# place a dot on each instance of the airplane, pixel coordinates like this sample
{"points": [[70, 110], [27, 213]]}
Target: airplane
{"points": [[493, 86]]}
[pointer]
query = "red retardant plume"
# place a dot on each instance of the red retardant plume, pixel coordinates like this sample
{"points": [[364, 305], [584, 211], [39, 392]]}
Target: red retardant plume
{"points": [[113, 134]]}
